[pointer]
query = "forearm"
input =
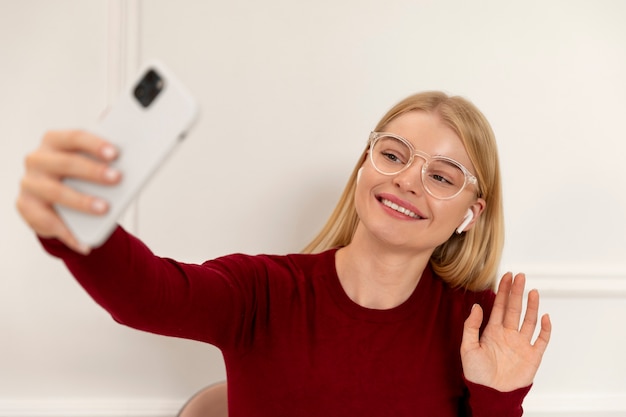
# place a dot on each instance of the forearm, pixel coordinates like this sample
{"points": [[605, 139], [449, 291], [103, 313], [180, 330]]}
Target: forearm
{"points": [[136, 287]]}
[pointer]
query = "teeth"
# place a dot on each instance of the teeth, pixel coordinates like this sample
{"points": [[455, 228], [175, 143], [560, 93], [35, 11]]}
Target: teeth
{"points": [[399, 209]]}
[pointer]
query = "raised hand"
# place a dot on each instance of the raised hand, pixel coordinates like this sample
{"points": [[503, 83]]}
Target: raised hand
{"points": [[505, 357], [62, 154]]}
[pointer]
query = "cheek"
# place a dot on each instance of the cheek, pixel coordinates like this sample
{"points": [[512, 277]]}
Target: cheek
{"points": [[447, 215], [451, 216]]}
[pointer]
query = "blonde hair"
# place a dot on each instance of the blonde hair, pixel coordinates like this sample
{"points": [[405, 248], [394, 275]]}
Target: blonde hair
{"points": [[469, 260]]}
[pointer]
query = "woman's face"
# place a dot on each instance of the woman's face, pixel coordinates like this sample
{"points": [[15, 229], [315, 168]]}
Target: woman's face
{"points": [[396, 209]]}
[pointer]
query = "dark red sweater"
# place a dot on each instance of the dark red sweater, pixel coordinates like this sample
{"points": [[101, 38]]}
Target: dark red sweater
{"points": [[293, 342]]}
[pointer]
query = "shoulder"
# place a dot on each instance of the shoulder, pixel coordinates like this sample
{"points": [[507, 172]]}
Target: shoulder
{"points": [[461, 300], [484, 298]]}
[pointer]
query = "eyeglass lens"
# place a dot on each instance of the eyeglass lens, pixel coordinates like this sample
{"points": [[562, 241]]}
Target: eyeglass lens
{"points": [[440, 177]]}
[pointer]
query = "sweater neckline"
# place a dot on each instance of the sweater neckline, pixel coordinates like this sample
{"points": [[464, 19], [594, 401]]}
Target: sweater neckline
{"points": [[403, 311]]}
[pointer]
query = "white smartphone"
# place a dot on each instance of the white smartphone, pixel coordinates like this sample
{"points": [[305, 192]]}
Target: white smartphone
{"points": [[146, 123]]}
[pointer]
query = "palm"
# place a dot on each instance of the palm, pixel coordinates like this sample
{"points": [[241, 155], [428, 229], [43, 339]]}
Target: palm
{"points": [[504, 358]]}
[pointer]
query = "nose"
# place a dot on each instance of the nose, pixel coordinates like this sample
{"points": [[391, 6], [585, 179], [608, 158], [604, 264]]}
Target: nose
{"points": [[410, 180]]}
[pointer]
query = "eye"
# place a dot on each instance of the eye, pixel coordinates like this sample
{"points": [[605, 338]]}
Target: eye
{"points": [[392, 156], [444, 174], [441, 179]]}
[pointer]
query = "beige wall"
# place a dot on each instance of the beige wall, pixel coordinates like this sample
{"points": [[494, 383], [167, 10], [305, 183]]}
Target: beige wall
{"points": [[290, 90]]}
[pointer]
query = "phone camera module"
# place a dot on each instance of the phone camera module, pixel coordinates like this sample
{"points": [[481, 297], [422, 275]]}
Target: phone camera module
{"points": [[149, 88]]}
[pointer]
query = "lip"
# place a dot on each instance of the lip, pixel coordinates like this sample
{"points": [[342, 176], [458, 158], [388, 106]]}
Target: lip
{"points": [[400, 202]]}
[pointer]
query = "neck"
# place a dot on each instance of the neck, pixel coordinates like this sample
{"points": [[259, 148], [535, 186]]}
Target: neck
{"points": [[377, 276]]}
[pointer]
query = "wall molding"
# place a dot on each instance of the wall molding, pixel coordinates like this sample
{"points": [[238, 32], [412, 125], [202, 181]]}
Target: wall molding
{"points": [[123, 44], [123, 60], [576, 281], [592, 405], [83, 407]]}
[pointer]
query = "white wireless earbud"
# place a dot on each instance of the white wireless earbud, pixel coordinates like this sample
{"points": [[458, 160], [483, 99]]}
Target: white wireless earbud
{"points": [[466, 220], [358, 174]]}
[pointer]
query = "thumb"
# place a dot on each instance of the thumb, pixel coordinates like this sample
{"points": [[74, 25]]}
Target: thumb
{"points": [[471, 329]]}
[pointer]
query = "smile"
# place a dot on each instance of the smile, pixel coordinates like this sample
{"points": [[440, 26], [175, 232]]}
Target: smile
{"points": [[399, 209]]}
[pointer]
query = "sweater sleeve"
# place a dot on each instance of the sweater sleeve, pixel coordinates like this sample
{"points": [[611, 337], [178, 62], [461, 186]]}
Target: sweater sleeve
{"points": [[484, 401], [155, 294]]}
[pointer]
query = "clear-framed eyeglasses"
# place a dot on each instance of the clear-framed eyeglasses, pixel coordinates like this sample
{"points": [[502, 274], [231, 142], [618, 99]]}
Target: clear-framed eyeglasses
{"points": [[442, 177]]}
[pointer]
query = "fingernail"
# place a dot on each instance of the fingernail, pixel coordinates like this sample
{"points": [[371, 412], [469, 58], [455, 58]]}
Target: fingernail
{"points": [[99, 206], [111, 174], [109, 152], [83, 249]]}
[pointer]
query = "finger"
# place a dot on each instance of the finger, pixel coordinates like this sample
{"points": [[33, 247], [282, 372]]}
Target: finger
{"points": [[46, 223], [499, 304], [75, 165], [532, 313], [544, 334], [513, 311], [471, 328], [80, 141], [71, 242], [50, 191]]}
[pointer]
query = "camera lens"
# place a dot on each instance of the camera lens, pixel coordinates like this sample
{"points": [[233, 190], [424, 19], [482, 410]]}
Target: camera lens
{"points": [[149, 88], [140, 91]]}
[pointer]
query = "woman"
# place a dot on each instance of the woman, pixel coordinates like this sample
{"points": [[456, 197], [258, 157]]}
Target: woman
{"points": [[383, 314]]}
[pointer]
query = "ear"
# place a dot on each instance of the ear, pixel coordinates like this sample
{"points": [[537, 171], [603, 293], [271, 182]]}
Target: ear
{"points": [[360, 170], [469, 216], [473, 212], [358, 174]]}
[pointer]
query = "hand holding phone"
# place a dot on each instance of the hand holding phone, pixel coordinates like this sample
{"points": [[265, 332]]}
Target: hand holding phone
{"points": [[145, 124]]}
